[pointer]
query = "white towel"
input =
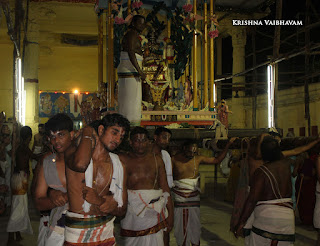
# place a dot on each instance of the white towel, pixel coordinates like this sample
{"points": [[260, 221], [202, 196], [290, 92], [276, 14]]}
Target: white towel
{"points": [[168, 165], [89, 179], [116, 186]]}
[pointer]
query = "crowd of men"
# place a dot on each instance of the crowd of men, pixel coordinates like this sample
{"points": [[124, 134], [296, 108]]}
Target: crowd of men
{"points": [[83, 181], [80, 185]]}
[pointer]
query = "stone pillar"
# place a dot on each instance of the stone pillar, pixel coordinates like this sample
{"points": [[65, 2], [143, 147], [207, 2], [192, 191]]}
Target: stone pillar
{"points": [[238, 43], [31, 85], [239, 38]]}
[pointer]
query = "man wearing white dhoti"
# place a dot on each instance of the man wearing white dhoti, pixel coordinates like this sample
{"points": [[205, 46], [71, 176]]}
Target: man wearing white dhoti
{"points": [[19, 218], [270, 200], [96, 183], [130, 72], [49, 182], [161, 138], [150, 208], [187, 226]]}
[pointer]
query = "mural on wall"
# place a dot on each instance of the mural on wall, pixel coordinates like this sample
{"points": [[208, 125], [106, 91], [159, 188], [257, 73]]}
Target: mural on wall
{"points": [[77, 106]]}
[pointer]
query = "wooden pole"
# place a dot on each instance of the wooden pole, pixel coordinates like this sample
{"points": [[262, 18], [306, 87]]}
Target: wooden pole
{"points": [[194, 63], [110, 63], [212, 96], [100, 51], [205, 53], [113, 70], [129, 7]]}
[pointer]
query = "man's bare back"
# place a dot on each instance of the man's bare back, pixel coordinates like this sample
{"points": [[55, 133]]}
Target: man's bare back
{"points": [[282, 173]]}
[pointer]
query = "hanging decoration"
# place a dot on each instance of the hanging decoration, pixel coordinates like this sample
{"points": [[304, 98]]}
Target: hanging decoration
{"points": [[214, 32]]}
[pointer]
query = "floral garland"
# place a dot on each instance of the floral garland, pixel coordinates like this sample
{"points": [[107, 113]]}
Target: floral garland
{"points": [[157, 88], [214, 32]]}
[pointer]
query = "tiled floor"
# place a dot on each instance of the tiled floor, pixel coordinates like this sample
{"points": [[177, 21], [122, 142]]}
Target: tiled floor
{"points": [[215, 217]]}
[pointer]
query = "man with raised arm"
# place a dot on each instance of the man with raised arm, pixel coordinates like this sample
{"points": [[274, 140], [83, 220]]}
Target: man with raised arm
{"points": [[49, 183], [150, 208], [186, 192], [96, 183], [269, 200]]}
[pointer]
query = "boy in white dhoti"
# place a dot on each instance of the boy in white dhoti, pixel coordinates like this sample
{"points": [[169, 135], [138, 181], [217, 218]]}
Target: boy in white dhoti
{"points": [[49, 183]]}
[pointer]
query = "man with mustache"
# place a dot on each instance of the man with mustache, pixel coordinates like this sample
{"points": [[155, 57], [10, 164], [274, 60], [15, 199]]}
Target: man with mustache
{"points": [[150, 208]]}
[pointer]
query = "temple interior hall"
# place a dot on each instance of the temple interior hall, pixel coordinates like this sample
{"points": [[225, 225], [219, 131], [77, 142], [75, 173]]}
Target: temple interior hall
{"points": [[214, 69]]}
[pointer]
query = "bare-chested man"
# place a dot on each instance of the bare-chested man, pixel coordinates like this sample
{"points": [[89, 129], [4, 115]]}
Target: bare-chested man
{"points": [[96, 183], [130, 72], [270, 199], [161, 138], [50, 190], [187, 224], [254, 161], [148, 194]]}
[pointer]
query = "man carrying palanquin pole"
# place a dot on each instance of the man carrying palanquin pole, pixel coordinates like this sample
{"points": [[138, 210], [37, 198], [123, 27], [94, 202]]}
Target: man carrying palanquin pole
{"points": [[187, 226]]}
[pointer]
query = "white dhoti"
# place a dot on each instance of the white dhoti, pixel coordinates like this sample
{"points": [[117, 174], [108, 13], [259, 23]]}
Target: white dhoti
{"points": [[145, 218], [43, 230], [187, 226], [37, 150], [316, 213], [273, 221], [19, 218], [130, 89]]}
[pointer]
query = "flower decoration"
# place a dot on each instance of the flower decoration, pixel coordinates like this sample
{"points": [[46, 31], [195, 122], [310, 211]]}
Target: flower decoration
{"points": [[214, 33], [187, 8], [119, 20], [136, 4]]}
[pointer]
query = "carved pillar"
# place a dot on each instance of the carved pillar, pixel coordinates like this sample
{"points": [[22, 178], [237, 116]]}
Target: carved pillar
{"points": [[238, 43], [239, 38], [31, 64]]}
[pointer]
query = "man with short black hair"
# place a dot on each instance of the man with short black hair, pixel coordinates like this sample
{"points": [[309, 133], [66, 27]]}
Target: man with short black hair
{"points": [[186, 191], [130, 72], [161, 138], [96, 183], [269, 202], [150, 208], [50, 188]]}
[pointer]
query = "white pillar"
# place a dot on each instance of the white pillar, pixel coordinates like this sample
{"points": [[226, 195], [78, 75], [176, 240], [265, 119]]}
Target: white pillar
{"points": [[31, 64]]}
